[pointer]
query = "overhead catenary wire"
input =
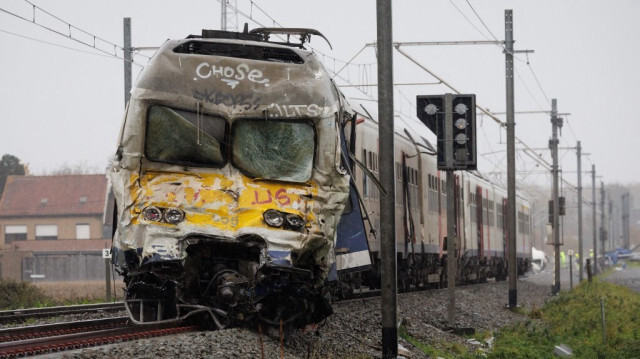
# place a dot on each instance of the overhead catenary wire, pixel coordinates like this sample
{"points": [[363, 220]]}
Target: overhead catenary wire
{"points": [[469, 21], [482, 21], [69, 25], [69, 36], [278, 24], [64, 47], [528, 63], [496, 119]]}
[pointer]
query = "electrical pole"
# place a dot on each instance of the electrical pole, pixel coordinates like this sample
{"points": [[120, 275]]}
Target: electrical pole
{"points": [[229, 15], [127, 59], [580, 257], [612, 231], [553, 145], [223, 15], [387, 177], [603, 231], [626, 236], [511, 161], [593, 208]]}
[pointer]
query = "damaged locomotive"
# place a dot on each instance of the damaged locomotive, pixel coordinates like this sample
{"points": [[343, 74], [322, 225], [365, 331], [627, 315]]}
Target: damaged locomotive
{"points": [[231, 179]]}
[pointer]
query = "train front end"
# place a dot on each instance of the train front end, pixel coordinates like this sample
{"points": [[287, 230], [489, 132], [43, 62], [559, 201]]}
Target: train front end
{"points": [[229, 184]]}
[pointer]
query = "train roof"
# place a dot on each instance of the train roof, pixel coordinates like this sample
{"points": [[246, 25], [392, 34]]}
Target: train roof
{"points": [[241, 72]]}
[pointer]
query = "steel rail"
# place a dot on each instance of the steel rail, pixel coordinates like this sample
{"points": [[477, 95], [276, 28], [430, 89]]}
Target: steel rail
{"points": [[56, 343], [20, 315], [53, 329]]}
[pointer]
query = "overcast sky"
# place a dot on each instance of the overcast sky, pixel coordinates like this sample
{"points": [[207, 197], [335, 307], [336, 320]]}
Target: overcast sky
{"points": [[62, 102]]}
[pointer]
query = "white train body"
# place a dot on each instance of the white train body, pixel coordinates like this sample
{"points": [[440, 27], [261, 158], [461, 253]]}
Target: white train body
{"points": [[421, 204]]}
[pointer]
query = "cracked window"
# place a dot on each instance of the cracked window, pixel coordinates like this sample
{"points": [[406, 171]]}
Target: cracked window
{"points": [[273, 149], [182, 137]]}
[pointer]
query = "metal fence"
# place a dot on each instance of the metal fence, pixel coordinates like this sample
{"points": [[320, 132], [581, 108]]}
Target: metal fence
{"points": [[63, 267]]}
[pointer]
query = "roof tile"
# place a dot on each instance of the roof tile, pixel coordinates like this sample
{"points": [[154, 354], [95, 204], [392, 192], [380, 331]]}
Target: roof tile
{"points": [[53, 195]]}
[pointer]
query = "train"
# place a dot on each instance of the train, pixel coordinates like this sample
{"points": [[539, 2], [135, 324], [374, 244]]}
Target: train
{"points": [[245, 187]]}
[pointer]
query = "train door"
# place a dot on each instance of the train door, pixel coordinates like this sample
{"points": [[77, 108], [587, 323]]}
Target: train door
{"points": [[351, 247]]}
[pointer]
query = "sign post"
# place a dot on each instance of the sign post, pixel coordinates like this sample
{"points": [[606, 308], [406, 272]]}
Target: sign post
{"points": [[106, 254]]}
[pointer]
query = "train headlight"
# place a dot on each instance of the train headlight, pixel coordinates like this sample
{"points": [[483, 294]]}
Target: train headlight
{"points": [[173, 215], [273, 218], [152, 214], [294, 221]]}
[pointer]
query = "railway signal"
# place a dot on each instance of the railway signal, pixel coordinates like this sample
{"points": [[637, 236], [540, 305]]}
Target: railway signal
{"points": [[431, 113], [453, 119], [456, 133]]}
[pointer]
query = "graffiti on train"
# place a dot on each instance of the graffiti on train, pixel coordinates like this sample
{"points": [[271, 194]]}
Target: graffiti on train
{"points": [[231, 76]]}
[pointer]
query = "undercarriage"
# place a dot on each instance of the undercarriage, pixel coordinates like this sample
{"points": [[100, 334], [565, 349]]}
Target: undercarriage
{"points": [[230, 281]]}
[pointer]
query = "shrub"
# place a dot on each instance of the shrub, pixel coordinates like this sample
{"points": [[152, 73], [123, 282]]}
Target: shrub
{"points": [[16, 295]]}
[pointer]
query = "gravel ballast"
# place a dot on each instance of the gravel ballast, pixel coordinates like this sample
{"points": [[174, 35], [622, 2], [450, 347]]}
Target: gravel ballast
{"points": [[354, 330]]}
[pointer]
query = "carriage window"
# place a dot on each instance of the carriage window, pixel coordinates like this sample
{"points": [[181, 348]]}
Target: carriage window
{"points": [[278, 150], [182, 137]]}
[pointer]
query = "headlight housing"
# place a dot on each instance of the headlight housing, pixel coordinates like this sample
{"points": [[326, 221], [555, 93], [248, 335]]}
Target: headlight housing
{"points": [[273, 218], [173, 215], [277, 219], [294, 221], [152, 214], [166, 215]]}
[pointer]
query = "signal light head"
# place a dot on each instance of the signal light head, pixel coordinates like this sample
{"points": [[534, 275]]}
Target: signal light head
{"points": [[461, 124], [431, 109], [460, 109], [461, 138]]}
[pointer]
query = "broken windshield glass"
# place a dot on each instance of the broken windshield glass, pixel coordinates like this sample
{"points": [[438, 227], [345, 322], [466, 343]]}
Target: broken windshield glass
{"points": [[273, 149], [183, 137]]}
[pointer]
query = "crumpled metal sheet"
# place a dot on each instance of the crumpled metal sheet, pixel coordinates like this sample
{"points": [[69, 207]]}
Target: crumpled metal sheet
{"points": [[225, 202]]}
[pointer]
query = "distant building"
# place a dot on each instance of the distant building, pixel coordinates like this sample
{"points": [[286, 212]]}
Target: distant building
{"points": [[52, 228]]}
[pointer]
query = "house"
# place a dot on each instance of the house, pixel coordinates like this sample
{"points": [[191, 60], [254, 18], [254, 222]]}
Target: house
{"points": [[52, 228]]}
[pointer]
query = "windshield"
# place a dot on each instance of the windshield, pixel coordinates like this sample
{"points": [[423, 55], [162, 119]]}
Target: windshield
{"points": [[183, 137], [273, 149]]}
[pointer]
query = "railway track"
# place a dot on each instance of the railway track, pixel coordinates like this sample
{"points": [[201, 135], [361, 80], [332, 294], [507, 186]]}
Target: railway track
{"points": [[21, 315], [375, 293], [50, 338]]}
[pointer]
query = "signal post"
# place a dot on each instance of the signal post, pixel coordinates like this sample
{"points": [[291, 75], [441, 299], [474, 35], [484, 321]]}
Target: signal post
{"points": [[453, 119]]}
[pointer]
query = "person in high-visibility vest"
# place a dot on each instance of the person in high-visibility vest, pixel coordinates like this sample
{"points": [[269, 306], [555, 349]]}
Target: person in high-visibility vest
{"points": [[577, 260], [563, 260]]}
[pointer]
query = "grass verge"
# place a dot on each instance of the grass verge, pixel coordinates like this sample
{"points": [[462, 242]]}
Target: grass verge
{"points": [[574, 319], [18, 295], [441, 349]]}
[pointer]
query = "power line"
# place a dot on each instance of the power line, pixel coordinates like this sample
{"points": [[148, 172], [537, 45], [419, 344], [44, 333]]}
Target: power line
{"points": [[575, 138], [483, 24], [503, 47], [469, 21], [276, 23], [69, 35], [528, 90], [67, 23], [264, 12], [62, 46], [537, 81]]}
